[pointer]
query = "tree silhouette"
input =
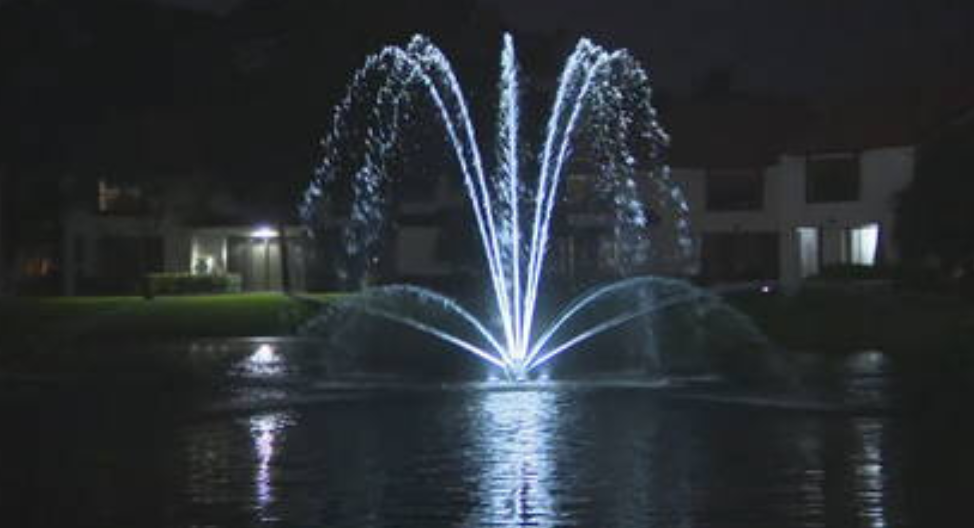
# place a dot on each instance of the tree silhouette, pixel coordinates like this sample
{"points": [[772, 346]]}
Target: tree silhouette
{"points": [[935, 220]]}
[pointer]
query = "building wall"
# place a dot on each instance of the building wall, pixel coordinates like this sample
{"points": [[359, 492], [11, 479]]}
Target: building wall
{"points": [[883, 172], [178, 250], [694, 181], [86, 260], [239, 249], [417, 253], [85, 256], [417, 250]]}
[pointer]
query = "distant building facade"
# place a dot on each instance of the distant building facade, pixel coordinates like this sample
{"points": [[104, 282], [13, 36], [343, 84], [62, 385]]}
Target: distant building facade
{"points": [[110, 247], [785, 221], [780, 189], [777, 191]]}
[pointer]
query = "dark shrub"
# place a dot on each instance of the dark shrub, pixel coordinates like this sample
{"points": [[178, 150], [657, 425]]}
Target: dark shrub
{"points": [[852, 272], [188, 283]]}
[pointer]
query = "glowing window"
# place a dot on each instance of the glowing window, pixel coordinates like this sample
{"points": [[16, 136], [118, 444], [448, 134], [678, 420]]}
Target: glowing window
{"points": [[808, 250], [863, 243]]}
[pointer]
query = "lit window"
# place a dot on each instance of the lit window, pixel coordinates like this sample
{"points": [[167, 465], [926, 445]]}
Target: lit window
{"points": [[37, 267], [863, 242], [808, 250]]}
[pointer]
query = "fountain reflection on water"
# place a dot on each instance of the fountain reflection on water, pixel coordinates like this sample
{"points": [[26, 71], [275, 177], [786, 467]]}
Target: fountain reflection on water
{"points": [[870, 475], [515, 432], [551, 455], [602, 105]]}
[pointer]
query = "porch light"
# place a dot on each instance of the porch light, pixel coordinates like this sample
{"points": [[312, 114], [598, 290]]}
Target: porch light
{"points": [[264, 232]]}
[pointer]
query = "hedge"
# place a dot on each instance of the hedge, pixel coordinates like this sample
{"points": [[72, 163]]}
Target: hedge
{"points": [[853, 272], [187, 283]]}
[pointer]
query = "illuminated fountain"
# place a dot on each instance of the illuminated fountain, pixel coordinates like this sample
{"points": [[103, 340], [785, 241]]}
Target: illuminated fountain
{"points": [[602, 106]]}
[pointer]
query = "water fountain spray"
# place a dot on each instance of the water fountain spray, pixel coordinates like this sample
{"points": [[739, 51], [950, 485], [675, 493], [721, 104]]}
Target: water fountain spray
{"points": [[602, 103]]}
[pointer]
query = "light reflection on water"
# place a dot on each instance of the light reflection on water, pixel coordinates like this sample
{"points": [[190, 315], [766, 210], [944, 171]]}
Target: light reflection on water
{"points": [[812, 490], [470, 456], [514, 431], [869, 463], [519, 458], [545, 456], [267, 431], [265, 360]]}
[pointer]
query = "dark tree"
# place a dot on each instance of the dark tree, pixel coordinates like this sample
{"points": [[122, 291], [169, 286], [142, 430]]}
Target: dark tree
{"points": [[935, 224]]}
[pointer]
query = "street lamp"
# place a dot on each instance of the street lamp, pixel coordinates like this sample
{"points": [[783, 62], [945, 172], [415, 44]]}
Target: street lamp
{"points": [[264, 232]]}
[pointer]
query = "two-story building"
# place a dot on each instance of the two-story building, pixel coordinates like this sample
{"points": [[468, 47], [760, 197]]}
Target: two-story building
{"points": [[777, 191]]}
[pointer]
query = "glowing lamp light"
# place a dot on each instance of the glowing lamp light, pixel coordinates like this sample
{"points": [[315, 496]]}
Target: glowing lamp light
{"points": [[263, 232]]}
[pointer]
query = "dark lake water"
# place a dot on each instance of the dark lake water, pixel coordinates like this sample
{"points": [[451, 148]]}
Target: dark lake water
{"points": [[874, 444]]}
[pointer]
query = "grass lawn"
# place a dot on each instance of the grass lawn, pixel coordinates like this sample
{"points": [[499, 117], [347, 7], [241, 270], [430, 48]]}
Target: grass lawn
{"points": [[819, 319], [53, 320]]}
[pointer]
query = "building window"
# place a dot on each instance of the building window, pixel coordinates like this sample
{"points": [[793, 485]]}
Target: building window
{"points": [[735, 190], [119, 198], [832, 179], [38, 267], [863, 243], [809, 257]]}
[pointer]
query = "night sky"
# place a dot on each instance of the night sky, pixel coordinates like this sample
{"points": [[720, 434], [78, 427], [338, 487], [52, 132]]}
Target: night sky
{"points": [[793, 46]]}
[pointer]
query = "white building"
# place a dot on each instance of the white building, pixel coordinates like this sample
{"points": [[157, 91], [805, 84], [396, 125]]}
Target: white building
{"points": [[780, 189], [786, 220]]}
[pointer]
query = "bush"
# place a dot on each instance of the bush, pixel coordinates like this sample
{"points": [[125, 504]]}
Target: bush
{"points": [[928, 279], [187, 283], [852, 272], [922, 278]]}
